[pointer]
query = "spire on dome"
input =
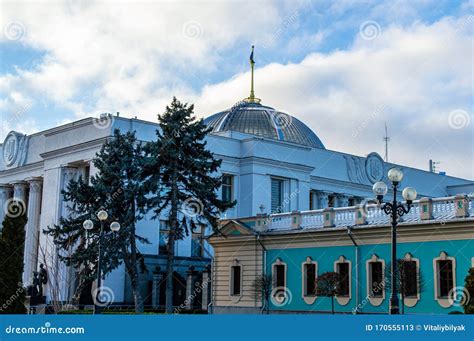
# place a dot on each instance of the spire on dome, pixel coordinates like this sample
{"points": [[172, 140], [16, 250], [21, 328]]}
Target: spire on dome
{"points": [[252, 98]]}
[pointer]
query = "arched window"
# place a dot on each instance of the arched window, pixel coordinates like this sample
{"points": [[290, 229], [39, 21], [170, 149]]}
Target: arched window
{"points": [[445, 279], [343, 267], [309, 270], [375, 280]]}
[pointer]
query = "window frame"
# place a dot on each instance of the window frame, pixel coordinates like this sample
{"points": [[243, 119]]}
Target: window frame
{"points": [[282, 182], [235, 298], [275, 288], [411, 301], [308, 299], [374, 300], [343, 299], [444, 302], [229, 186]]}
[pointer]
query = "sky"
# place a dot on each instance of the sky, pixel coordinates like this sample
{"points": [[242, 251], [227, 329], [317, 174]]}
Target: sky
{"points": [[345, 68]]}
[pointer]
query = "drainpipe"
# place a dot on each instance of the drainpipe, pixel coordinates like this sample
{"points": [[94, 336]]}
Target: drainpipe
{"points": [[356, 247], [264, 263], [211, 292]]}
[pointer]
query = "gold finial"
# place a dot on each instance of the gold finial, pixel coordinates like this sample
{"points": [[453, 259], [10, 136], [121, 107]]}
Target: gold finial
{"points": [[252, 98]]}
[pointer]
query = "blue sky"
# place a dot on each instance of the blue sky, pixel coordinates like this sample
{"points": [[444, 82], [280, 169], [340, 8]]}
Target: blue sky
{"points": [[343, 67]]}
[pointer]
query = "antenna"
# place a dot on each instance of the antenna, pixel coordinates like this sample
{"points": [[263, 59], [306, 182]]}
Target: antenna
{"points": [[386, 139]]}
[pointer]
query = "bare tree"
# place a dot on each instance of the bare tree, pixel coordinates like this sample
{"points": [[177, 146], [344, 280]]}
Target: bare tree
{"points": [[262, 288], [407, 285]]}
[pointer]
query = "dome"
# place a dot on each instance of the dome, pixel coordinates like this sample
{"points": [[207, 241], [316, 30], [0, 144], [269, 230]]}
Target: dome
{"points": [[257, 119]]}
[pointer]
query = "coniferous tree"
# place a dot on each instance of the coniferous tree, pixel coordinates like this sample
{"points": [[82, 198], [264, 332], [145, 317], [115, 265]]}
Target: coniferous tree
{"points": [[117, 189], [468, 293], [12, 240], [187, 188]]}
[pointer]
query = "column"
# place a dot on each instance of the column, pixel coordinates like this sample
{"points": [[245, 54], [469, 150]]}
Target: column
{"points": [[65, 274], [342, 200], [155, 294], [32, 230], [5, 195], [323, 199], [206, 287], [19, 191], [190, 294]]}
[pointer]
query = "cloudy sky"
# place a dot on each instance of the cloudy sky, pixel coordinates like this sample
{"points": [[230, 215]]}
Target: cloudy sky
{"points": [[344, 68]]}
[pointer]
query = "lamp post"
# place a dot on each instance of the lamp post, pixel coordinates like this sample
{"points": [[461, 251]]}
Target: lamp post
{"points": [[115, 227], [395, 210]]}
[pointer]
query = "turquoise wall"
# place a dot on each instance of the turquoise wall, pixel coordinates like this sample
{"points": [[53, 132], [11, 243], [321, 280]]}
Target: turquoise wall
{"points": [[462, 250]]}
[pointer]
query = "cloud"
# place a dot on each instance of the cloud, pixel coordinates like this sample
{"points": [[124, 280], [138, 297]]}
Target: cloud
{"points": [[412, 78], [108, 56]]}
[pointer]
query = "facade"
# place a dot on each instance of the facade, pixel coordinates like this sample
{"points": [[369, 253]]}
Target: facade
{"points": [[436, 240], [271, 163]]}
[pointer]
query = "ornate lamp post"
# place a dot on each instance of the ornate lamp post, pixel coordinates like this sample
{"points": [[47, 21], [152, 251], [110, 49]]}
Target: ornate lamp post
{"points": [[395, 210], [115, 227]]}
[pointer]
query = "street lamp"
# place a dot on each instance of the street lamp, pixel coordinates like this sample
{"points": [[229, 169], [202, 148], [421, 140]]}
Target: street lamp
{"points": [[114, 227], [395, 210]]}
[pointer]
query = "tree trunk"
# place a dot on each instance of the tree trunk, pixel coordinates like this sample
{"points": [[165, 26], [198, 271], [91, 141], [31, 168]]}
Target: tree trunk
{"points": [[171, 239], [139, 308], [332, 305]]}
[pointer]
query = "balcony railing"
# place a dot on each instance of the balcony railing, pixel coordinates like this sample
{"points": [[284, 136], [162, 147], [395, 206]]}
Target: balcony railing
{"points": [[442, 209]]}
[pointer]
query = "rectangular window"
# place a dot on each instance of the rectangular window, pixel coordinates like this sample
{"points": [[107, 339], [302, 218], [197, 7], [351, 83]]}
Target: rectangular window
{"points": [[331, 200], [227, 188], [376, 270], [279, 272], [445, 277], [277, 195], [236, 275], [87, 174], [343, 271], [409, 278], [310, 279], [196, 242], [164, 234]]}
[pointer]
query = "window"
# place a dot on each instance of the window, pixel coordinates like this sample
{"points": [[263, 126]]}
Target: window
{"points": [[196, 242], [445, 277], [310, 279], [376, 273], [164, 234], [227, 188], [277, 195], [331, 200], [87, 173], [236, 278], [312, 200], [343, 271], [409, 278], [279, 273]]}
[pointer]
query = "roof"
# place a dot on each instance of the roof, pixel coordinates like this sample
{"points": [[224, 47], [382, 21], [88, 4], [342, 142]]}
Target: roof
{"points": [[257, 119]]}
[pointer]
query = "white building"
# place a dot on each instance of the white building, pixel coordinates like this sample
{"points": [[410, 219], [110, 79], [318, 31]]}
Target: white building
{"points": [[272, 162]]}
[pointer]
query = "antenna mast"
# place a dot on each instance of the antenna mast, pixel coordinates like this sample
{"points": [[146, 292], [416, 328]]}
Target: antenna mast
{"points": [[386, 139]]}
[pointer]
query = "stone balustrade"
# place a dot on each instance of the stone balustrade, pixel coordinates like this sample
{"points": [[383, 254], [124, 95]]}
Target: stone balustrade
{"points": [[442, 209]]}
